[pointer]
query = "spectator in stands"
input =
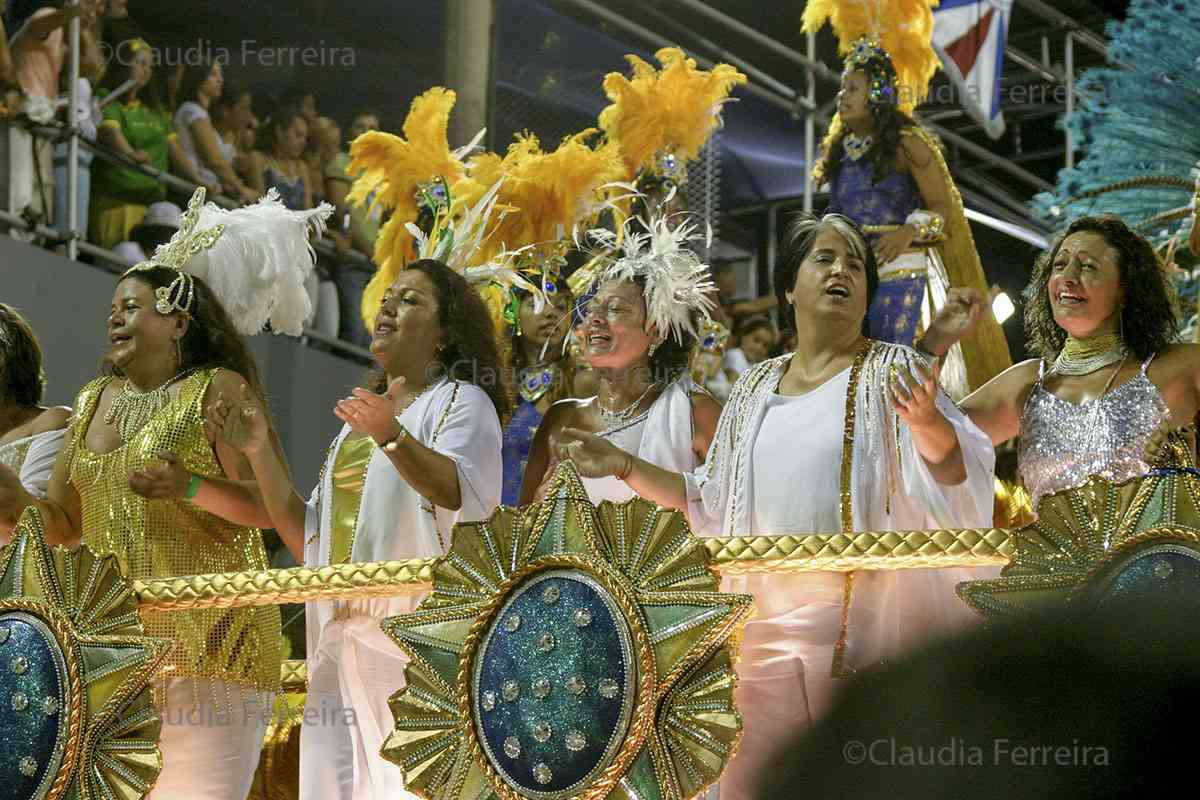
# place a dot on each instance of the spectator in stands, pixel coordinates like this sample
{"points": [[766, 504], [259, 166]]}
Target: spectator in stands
{"points": [[233, 118], [6, 65], [362, 122], [756, 336], [279, 164], [362, 227], [304, 101], [211, 157], [87, 120], [725, 277], [135, 125], [279, 160], [38, 50], [324, 144], [161, 222]]}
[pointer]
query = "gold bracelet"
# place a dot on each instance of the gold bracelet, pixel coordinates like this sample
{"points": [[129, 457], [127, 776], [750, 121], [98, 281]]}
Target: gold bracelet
{"points": [[391, 444], [630, 463]]}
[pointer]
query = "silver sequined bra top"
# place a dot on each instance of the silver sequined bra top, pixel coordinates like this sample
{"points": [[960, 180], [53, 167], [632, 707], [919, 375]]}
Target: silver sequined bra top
{"points": [[1063, 443]]}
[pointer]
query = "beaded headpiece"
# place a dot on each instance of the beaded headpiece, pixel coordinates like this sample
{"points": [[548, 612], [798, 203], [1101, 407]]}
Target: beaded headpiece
{"points": [[254, 259], [678, 289], [890, 40], [180, 293]]}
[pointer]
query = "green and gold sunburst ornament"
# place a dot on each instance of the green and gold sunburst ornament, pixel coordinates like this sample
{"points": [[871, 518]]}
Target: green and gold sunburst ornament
{"points": [[75, 675], [1102, 544], [569, 651]]}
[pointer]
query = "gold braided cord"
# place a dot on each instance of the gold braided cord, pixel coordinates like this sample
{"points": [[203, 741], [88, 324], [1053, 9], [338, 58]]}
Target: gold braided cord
{"points": [[294, 585], [809, 552], [1140, 182]]}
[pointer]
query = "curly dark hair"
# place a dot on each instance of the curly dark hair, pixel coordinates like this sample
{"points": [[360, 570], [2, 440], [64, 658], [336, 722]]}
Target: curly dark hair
{"points": [[211, 340], [280, 120], [798, 241], [469, 351], [890, 124], [194, 74], [1149, 314], [22, 378]]}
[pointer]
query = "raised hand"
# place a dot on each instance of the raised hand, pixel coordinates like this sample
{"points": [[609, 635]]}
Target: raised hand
{"points": [[163, 479], [593, 456], [240, 423], [915, 395], [372, 414], [961, 312]]}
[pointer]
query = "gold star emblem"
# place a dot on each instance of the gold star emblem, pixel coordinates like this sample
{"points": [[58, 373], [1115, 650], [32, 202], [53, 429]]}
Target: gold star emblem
{"points": [[649, 677], [87, 670]]}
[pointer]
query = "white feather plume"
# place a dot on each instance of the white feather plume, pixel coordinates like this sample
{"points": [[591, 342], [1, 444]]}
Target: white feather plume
{"points": [[258, 266], [678, 284]]}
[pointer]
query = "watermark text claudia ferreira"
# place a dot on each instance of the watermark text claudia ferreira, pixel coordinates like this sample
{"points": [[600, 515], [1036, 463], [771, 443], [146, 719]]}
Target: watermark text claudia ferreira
{"points": [[1000, 752], [246, 53]]}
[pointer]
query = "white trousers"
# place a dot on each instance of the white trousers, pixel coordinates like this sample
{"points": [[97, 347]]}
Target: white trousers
{"points": [[212, 734]]}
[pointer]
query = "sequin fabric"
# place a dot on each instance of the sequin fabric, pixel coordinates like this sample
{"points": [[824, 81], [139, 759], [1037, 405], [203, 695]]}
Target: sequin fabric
{"points": [[518, 440], [12, 455], [856, 195], [896, 309], [162, 538], [1063, 443]]}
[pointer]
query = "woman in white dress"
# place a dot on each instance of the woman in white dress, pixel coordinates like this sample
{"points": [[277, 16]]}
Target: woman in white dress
{"points": [[638, 329], [779, 464], [419, 451], [30, 434]]}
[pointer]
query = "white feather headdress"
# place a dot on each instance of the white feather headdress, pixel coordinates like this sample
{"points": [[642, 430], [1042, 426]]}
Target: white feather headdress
{"points": [[678, 289], [255, 260]]}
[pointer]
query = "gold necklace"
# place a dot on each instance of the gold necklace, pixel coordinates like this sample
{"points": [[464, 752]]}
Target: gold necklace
{"points": [[1085, 356], [131, 409]]}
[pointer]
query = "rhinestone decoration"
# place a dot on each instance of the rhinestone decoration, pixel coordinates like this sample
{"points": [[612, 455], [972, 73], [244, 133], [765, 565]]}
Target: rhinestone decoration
{"points": [[550, 595], [19, 665], [575, 741], [541, 732], [3, 635], [1163, 570], [541, 688], [28, 767], [576, 685], [511, 690], [489, 701], [546, 642], [20, 702], [542, 774], [608, 688], [512, 748], [582, 617], [512, 623], [49, 706]]}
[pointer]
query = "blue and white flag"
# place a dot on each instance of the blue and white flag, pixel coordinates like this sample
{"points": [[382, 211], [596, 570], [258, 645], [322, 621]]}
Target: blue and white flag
{"points": [[969, 36]]}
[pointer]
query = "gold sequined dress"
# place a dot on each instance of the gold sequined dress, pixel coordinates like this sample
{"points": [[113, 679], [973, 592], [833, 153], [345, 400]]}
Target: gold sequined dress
{"points": [[161, 538]]}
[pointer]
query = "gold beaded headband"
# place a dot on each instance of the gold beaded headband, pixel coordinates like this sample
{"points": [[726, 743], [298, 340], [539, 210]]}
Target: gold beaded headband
{"points": [[180, 293]]}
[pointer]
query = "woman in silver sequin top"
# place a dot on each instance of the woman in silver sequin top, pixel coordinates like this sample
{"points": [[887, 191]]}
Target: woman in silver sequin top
{"points": [[30, 434], [1117, 416]]}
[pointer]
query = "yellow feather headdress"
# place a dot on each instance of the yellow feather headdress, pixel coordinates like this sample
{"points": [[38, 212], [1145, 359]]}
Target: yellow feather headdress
{"points": [[400, 175], [903, 29], [661, 119]]}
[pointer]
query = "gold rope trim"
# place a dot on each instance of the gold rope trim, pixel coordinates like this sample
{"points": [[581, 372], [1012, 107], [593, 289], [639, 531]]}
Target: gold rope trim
{"points": [[808, 552]]}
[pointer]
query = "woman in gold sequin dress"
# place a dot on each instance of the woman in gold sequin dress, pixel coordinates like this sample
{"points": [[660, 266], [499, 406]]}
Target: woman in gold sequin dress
{"points": [[140, 479], [30, 434], [420, 451]]}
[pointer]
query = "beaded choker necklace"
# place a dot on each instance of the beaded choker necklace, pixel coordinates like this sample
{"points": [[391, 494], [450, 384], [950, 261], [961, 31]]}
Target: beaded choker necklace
{"points": [[857, 146], [611, 418], [1084, 356], [131, 409]]}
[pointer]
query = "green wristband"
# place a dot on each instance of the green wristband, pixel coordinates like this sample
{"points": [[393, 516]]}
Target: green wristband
{"points": [[193, 487]]}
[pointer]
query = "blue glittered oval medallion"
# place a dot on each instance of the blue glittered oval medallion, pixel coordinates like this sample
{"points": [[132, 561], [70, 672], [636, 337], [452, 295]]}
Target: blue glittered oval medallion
{"points": [[553, 695], [33, 683]]}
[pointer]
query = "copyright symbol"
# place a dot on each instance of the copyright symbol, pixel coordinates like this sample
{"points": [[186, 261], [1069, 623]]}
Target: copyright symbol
{"points": [[854, 752]]}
